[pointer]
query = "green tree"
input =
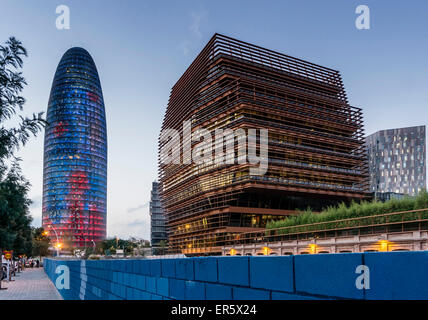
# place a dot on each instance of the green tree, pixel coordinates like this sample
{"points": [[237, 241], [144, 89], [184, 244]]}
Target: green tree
{"points": [[108, 244], [15, 131], [163, 247], [15, 220], [40, 243], [128, 246]]}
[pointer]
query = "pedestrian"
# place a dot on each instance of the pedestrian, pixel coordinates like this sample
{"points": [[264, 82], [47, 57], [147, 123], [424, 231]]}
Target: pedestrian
{"points": [[3, 272]]}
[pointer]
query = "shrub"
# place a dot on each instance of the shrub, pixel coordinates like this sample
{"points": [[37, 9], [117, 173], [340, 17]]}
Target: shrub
{"points": [[354, 210]]}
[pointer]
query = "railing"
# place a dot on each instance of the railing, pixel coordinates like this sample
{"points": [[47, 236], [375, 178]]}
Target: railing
{"points": [[375, 224], [252, 53]]}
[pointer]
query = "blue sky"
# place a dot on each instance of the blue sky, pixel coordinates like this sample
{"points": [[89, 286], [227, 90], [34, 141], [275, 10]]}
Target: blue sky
{"points": [[142, 47]]}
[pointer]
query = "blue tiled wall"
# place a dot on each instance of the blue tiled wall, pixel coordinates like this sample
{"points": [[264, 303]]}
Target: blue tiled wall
{"points": [[392, 275]]}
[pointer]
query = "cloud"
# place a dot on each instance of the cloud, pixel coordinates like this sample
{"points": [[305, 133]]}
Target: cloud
{"points": [[36, 211], [144, 205], [185, 46], [36, 202], [137, 223], [196, 20], [37, 221], [138, 228]]}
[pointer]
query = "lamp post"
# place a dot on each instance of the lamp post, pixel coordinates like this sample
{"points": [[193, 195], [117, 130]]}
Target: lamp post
{"points": [[57, 240], [94, 244]]}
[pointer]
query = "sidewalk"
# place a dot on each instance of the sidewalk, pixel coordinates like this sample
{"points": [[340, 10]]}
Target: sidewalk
{"points": [[31, 284]]}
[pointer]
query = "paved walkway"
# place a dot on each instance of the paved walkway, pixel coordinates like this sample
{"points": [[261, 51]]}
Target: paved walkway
{"points": [[31, 284]]}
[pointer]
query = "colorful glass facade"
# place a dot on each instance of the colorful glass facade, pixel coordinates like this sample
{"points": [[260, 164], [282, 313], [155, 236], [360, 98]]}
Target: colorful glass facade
{"points": [[75, 154]]}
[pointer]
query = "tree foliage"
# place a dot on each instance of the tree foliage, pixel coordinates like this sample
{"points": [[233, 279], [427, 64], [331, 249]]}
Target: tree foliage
{"points": [[114, 243], [40, 243], [15, 220], [15, 131], [128, 246]]}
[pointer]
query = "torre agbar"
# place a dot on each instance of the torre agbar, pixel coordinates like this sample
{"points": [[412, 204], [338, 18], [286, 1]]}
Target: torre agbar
{"points": [[75, 154], [316, 152]]}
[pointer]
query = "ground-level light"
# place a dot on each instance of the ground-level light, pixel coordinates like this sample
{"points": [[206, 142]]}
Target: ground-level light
{"points": [[266, 251], [313, 248]]}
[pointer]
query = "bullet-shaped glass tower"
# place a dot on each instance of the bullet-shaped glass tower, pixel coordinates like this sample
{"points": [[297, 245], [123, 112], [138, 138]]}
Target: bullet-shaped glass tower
{"points": [[75, 154]]}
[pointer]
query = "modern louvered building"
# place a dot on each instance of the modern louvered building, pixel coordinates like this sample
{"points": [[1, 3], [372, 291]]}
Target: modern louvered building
{"points": [[316, 152], [75, 154]]}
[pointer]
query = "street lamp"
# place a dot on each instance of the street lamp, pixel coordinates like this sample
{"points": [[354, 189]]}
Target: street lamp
{"points": [[94, 244], [58, 245]]}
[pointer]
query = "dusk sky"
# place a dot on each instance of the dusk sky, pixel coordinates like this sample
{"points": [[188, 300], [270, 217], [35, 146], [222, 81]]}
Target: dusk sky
{"points": [[142, 47]]}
